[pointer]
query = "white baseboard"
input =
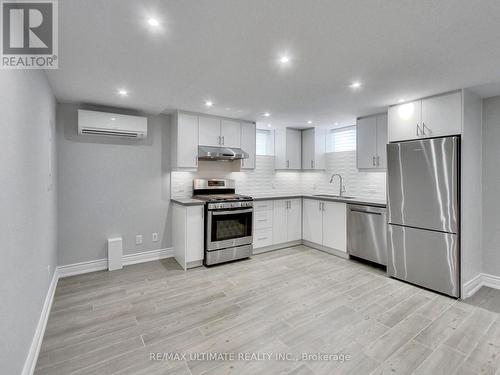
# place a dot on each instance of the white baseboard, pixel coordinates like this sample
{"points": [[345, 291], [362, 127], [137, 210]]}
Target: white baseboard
{"points": [[77, 269], [36, 343], [491, 281], [265, 249], [82, 267], [148, 256], [483, 279], [102, 264], [472, 286]]}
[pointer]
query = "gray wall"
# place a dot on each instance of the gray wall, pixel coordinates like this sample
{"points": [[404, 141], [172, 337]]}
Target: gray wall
{"points": [[27, 210], [491, 186], [111, 187]]}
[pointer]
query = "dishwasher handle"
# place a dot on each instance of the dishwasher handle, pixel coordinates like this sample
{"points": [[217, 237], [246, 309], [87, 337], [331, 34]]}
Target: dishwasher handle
{"points": [[367, 209], [366, 212]]}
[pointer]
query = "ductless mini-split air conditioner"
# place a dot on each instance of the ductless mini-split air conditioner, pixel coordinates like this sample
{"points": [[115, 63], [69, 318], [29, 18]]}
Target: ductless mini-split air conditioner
{"points": [[111, 124]]}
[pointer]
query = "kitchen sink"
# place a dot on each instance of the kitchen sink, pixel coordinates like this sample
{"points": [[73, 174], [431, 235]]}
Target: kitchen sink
{"points": [[334, 196]]}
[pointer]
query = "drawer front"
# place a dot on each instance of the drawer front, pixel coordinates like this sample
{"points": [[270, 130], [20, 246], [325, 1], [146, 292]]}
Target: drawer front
{"points": [[262, 206], [263, 219], [262, 237]]}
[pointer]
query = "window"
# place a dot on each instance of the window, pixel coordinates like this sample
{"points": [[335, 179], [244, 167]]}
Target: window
{"points": [[264, 142], [342, 139]]}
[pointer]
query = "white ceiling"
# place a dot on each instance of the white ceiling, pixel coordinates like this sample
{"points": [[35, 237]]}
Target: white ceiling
{"points": [[226, 51]]}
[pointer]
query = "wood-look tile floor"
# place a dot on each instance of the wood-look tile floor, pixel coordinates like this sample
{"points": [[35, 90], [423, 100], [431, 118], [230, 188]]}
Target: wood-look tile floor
{"points": [[297, 300]]}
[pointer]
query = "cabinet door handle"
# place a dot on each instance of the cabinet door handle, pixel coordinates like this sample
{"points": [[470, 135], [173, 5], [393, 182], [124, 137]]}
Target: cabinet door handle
{"points": [[196, 160], [418, 131], [262, 239], [373, 160], [261, 220], [378, 161], [423, 128], [312, 163], [223, 141], [320, 206], [288, 163]]}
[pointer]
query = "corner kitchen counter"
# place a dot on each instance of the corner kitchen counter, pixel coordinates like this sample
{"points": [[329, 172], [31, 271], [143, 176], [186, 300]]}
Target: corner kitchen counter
{"points": [[361, 201], [187, 201]]}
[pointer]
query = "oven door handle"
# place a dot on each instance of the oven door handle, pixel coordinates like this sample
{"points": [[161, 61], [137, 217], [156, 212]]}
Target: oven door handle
{"points": [[219, 213]]}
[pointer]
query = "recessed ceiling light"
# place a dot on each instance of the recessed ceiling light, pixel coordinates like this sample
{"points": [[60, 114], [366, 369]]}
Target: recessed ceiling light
{"points": [[336, 124], [284, 60], [113, 118], [209, 103], [153, 22], [267, 114], [269, 125], [123, 92], [355, 85], [401, 100], [309, 122]]}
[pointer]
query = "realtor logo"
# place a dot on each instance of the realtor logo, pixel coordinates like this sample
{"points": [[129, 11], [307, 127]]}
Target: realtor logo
{"points": [[29, 34]]}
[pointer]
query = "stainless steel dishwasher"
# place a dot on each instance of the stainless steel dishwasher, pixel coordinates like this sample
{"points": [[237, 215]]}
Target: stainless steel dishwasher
{"points": [[367, 233]]}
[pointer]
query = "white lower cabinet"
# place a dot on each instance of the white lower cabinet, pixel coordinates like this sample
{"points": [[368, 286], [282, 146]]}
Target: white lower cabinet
{"points": [[324, 223], [262, 238], [287, 225], [188, 235], [277, 221], [262, 224], [312, 221], [335, 225]]}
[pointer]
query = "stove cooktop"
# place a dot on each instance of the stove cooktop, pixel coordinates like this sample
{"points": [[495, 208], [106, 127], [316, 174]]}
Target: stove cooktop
{"points": [[222, 197]]}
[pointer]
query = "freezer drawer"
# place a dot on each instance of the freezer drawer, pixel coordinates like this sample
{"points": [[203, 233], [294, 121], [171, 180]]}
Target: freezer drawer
{"points": [[426, 258], [367, 233], [423, 184]]}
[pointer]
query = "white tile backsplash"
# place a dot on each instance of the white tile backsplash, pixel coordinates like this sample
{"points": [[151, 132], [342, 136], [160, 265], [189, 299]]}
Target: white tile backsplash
{"points": [[265, 180]]}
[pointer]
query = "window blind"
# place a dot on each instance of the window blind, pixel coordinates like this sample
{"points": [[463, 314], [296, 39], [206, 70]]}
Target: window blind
{"points": [[343, 139]]}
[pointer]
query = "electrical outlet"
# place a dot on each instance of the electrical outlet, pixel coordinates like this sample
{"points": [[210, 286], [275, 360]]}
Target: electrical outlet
{"points": [[138, 239], [155, 237]]}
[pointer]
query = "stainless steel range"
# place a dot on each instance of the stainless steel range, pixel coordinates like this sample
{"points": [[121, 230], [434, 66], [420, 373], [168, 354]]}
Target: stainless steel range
{"points": [[228, 220]]}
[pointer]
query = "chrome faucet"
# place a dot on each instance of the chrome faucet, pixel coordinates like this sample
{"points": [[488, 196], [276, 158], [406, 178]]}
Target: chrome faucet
{"points": [[341, 187]]}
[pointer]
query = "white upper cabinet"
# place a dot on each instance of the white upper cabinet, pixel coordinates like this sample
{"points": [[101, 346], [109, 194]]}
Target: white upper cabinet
{"points": [[382, 141], [287, 148], [436, 116], [371, 142], [442, 115], [216, 132], [185, 141], [366, 148], [230, 132], [248, 134], [404, 121], [210, 131], [313, 148]]}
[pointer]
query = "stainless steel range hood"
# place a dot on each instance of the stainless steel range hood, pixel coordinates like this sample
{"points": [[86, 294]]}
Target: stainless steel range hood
{"points": [[221, 153]]}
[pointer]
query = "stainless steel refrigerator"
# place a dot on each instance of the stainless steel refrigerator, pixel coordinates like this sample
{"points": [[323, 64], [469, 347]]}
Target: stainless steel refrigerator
{"points": [[424, 213]]}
